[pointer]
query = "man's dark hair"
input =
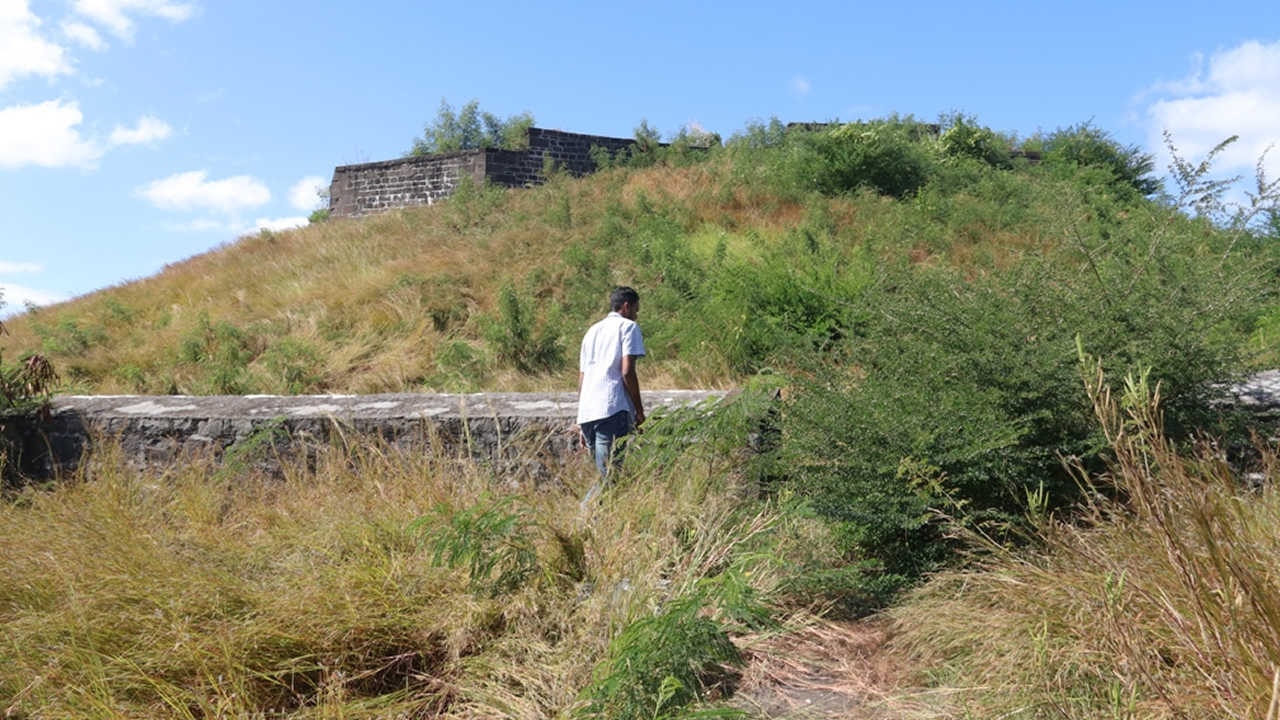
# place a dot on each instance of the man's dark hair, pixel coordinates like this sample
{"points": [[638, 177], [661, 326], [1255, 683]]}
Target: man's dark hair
{"points": [[622, 295]]}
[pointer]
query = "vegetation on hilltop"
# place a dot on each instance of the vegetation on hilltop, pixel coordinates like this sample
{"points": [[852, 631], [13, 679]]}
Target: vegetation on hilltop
{"points": [[470, 127]]}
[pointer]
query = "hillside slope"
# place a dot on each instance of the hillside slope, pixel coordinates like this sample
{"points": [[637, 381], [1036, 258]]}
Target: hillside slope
{"points": [[746, 256], [406, 301]]}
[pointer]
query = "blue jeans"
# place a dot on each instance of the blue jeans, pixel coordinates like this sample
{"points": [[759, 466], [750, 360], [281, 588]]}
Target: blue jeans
{"points": [[601, 435]]}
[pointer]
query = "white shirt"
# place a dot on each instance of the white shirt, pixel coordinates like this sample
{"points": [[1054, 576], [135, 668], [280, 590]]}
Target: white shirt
{"points": [[600, 361]]}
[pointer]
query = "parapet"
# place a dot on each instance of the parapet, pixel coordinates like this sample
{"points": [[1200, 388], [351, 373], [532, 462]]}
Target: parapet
{"points": [[411, 181]]}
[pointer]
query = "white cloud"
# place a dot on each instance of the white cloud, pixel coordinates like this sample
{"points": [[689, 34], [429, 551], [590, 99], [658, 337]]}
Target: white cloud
{"points": [[149, 130], [115, 15], [196, 226], [84, 35], [10, 268], [22, 50], [15, 298], [798, 86], [44, 135], [192, 190], [303, 195], [1238, 94], [287, 223]]}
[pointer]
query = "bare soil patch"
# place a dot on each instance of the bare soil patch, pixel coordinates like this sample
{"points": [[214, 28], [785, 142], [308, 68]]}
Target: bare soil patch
{"points": [[832, 669]]}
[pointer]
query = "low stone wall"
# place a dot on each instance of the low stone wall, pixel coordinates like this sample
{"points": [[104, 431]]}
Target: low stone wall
{"points": [[154, 431]]}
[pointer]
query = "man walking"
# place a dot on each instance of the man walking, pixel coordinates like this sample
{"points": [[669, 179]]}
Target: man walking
{"points": [[609, 404]]}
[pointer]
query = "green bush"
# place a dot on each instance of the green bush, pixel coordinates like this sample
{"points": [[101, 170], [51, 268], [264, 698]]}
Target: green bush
{"points": [[885, 156], [471, 127], [460, 366], [221, 352], [1125, 168], [294, 365], [659, 666], [965, 138], [890, 157], [687, 146], [958, 393], [26, 389], [68, 336], [520, 342], [493, 540]]}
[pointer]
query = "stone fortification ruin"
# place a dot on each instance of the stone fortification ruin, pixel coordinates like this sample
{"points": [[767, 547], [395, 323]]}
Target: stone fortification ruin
{"points": [[410, 181]]}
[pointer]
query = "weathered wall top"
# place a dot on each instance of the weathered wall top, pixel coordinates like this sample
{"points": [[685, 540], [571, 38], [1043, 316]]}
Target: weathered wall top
{"points": [[553, 407]]}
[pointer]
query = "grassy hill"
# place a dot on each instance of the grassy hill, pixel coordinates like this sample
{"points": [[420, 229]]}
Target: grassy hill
{"points": [[738, 252], [979, 353]]}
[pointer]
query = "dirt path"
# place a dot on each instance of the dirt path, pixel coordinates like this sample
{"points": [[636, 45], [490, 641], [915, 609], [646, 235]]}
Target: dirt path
{"points": [[827, 670]]}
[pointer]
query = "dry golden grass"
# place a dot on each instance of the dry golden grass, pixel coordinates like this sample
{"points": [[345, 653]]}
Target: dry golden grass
{"points": [[206, 591], [1162, 605], [383, 303], [375, 298]]}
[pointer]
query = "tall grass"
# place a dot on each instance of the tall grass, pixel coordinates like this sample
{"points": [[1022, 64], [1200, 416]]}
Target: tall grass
{"points": [[374, 584], [1161, 601]]}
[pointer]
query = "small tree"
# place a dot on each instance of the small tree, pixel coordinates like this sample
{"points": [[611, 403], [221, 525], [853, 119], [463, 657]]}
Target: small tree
{"points": [[1084, 145], [964, 137], [25, 388], [470, 128]]}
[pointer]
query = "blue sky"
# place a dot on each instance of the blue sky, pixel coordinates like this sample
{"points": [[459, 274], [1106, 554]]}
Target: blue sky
{"points": [[135, 133]]}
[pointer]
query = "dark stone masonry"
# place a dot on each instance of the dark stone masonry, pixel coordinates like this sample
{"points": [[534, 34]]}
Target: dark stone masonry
{"points": [[406, 182], [536, 431], [156, 430]]}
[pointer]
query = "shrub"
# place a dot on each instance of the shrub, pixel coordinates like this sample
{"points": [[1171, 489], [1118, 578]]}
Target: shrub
{"points": [[689, 145], [222, 353], [680, 656], [1128, 168], [965, 138], [68, 336], [493, 536], [473, 204], [26, 389], [472, 127], [888, 156], [520, 342], [294, 365], [881, 156], [1158, 600], [957, 393]]}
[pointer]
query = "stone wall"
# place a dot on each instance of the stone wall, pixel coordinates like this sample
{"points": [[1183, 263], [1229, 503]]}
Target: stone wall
{"points": [[407, 182], [153, 431], [373, 187]]}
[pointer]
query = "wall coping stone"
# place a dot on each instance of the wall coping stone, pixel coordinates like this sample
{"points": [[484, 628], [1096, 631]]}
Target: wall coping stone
{"points": [[402, 406], [413, 160]]}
